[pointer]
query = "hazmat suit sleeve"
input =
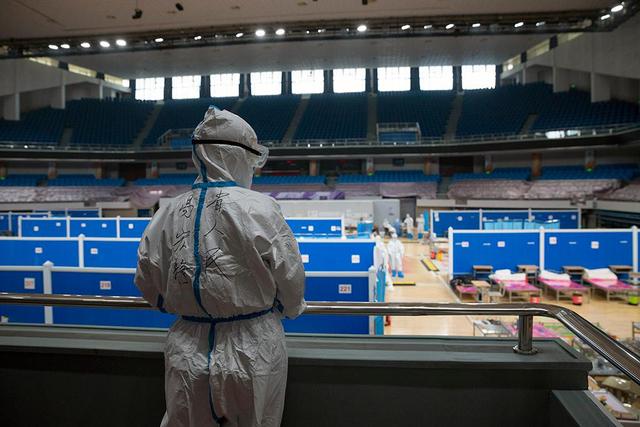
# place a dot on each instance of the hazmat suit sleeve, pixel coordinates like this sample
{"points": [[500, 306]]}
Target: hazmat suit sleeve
{"points": [[151, 275], [279, 250]]}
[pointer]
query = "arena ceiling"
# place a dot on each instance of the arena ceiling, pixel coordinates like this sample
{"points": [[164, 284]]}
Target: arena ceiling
{"points": [[368, 53], [29, 19]]}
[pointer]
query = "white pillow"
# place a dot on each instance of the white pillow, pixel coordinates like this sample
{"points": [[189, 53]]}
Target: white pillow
{"points": [[554, 276], [600, 273]]}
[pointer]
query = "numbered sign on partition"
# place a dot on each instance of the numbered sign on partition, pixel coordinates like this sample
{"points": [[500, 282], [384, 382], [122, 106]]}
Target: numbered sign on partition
{"points": [[344, 289], [29, 283]]}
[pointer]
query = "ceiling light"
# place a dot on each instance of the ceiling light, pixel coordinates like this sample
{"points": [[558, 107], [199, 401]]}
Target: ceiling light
{"points": [[428, 27], [238, 35], [617, 8], [362, 28], [476, 25], [405, 27], [321, 30], [121, 42], [604, 17], [53, 46], [104, 43], [197, 38], [260, 32], [518, 24], [307, 31], [280, 32], [85, 45], [158, 40], [65, 46], [450, 26], [540, 24]]}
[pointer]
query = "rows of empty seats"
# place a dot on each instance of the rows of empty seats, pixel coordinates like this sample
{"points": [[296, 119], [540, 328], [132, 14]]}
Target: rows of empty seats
{"points": [[183, 114], [500, 173], [479, 189], [621, 172], [84, 180], [334, 116], [39, 126], [22, 180], [270, 116], [431, 110], [575, 109], [106, 122], [389, 176]]}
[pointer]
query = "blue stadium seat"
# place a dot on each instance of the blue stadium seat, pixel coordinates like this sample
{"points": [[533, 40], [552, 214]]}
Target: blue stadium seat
{"points": [[388, 176], [621, 172], [83, 181], [431, 109], [184, 114], [40, 126], [334, 116], [288, 180], [169, 179], [522, 174], [106, 122], [270, 116], [25, 180]]}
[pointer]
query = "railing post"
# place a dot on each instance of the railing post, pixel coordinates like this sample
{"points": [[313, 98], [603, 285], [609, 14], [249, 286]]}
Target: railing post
{"points": [[525, 335]]}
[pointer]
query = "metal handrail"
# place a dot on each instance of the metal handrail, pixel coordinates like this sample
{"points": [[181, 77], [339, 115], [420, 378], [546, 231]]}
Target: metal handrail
{"points": [[619, 355]]}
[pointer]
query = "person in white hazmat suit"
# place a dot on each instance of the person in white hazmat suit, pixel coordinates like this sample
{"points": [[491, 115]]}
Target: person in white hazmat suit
{"points": [[396, 253], [381, 259], [223, 259], [408, 225]]}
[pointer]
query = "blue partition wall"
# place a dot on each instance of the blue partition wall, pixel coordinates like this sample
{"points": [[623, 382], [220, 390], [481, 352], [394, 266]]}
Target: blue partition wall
{"points": [[92, 227], [333, 289], [13, 219], [43, 227], [92, 283], [458, 220], [4, 222], [315, 227], [133, 227], [21, 282], [15, 251], [472, 219], [568, 219], [337, 255], [111, 253], [499, 249], [592, 249]]}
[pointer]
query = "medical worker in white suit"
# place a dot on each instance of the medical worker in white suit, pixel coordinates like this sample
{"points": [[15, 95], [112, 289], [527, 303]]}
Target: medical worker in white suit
{"points": [[396, 253], [222, 258]]}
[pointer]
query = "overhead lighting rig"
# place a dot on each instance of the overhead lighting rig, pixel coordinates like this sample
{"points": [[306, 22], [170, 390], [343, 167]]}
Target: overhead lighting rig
{"points": [[374, 28]]}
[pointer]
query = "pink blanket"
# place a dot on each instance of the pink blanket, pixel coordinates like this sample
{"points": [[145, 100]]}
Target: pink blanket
{"points": [[568, 285], [539, 331], [609, 284], [519, 286]]}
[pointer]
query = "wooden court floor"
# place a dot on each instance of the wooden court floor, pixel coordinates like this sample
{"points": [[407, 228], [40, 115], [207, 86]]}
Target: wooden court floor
{"points": [[614, 316]]}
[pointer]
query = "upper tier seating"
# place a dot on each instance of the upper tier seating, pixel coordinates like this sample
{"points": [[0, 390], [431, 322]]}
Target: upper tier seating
{"points": [[106, 122], [503, 110], [500, 173], [573, 189], [431, 109], [84, 181], [390, 184], [334, 116], [269, 116], [39, 126], [26, 180], [60, 194], [574, 109], [184, 114]]}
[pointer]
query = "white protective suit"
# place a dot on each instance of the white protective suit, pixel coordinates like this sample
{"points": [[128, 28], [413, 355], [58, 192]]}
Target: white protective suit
{"points": [[223, 258], [381, 259], [408, 223], [396, 253]]}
